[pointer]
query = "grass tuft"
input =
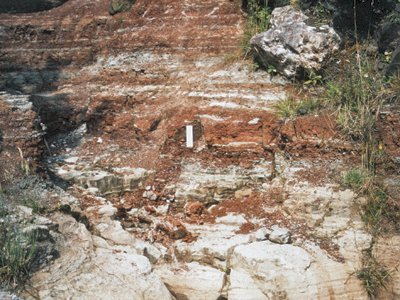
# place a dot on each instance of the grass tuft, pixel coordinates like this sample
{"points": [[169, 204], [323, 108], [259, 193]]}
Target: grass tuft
{"points": [[17, 254], [290, 107], [258, 18], [380, 213], [373, 275], [355, 179]]}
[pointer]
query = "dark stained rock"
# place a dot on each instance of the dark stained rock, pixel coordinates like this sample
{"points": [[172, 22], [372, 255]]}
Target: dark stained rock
{"points": [[27, 6], [393, 69], [388, 31]]}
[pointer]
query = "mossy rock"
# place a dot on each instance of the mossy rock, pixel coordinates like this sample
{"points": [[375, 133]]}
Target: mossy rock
{"points": [[117, 6]]}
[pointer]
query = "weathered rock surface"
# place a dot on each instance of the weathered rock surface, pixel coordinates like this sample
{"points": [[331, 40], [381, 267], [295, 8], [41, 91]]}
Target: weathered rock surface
{"points": [[279, 235], [213, 246], [90, 268], [292, 46], [270, 271], [210, 185], [193, 281], [20, 127], [8, 296], [101, 182]]}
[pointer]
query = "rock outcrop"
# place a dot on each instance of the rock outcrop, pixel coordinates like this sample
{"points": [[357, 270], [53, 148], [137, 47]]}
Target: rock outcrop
{"points": [[89, 267], [114, 94], [291, 46], [193, 281], [21, 135], [388, 38], [262, 270]]}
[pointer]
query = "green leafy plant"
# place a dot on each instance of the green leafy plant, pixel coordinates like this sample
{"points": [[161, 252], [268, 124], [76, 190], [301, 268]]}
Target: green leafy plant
{"points": [[357, 93], [254, 66], [272, 70], [313, 78], [356, 96], [320, 13], [3, 209], [380, 212]]}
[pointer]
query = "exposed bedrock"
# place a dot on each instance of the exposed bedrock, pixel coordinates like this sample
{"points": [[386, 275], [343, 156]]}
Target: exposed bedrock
{"points": [[253, 211]]}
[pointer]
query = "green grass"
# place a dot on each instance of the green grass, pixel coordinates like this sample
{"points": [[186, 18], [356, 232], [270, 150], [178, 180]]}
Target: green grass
{"points": [[17, 254], [373, 275], [357, 94], [355, 179], [290, 107], [33, 203], [258, 18], [380, 213]]}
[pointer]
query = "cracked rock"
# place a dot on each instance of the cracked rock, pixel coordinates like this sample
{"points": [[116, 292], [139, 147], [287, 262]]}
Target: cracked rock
{"points": [[279, 235]]}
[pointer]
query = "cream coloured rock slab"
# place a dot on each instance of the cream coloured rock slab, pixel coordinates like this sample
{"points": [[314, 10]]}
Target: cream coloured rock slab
{"points": [[193, 281], [242, 286], [291, 272], [90, 268]]}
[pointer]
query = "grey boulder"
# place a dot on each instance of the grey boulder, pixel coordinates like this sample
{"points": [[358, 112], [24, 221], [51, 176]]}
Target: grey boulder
{"points": [[293, 47]]}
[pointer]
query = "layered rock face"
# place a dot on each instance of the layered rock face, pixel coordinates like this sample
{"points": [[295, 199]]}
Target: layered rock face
{"points": [[250, 212], [21, 135]]}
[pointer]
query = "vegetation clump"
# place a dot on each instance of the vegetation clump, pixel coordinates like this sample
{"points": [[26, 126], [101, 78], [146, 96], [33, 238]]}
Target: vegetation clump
{"points": [[117, 6], [17, 253], [26, 244], [258, 18], [380, 212], [291, 107], [373, 275], [354, 179]]}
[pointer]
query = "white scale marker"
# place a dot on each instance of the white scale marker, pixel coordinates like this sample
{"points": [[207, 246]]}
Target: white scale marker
{"points": [[189, 136]]}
